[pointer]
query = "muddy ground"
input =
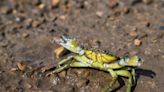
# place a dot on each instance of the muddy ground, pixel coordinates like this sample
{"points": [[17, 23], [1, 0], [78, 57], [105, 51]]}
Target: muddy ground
{"points": [[126, 27]]}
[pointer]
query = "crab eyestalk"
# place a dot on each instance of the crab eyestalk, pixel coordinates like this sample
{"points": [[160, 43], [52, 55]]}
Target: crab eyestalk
{"points": [[70, 44]]}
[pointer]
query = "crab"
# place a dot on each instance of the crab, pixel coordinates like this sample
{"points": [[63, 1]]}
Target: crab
{"points": [[84, 58]]}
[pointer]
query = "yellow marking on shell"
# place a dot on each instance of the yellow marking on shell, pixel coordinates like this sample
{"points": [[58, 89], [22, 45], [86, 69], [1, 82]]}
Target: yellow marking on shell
{"points": [[98, 57], [104, 59], [91, 55], [94, 56], [108, 58], [88, 53]]}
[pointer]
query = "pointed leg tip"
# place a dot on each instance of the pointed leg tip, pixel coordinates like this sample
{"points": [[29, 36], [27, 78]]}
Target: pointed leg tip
{"points": [[48, 74]]}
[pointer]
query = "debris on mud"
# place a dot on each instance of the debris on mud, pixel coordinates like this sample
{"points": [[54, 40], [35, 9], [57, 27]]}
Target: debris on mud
{"points": [[55, 3], [59, 52], [21, 66], [137, 42]]}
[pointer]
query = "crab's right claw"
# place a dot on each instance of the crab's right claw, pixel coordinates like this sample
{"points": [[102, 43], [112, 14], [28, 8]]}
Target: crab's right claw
{"points": [[135, 61], [70, 44], [66, 38]]}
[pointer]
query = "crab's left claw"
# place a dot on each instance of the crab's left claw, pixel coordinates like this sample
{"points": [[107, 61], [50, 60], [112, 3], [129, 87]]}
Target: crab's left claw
{"points": [[70, 44], [135, 61]]}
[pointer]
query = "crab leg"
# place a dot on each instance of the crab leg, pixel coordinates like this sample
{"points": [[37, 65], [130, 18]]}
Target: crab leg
{"points": [[78, 64], [126, 73], [68, 62], [134, 76], [133, 72], [59, 67], [65, 60], [114, 78]]}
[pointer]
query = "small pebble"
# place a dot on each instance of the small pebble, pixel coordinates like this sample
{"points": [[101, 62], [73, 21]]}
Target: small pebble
{"points": [[112, 18], [17, 19], [25, 35], [35, 23], [14, 11], [12, 72], [99, 13], [55, 3], [13, 69], [41, 6], [62, 74], [133, 34], [137, 42], [28, 21], [134, 29], [147, 1], [146, 23], [59, 52], [62, 17], [125, 10], [21, 66]]}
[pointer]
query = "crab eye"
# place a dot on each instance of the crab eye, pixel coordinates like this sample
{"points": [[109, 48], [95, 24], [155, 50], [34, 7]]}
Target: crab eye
{"points": [[140, 60], [126, 57]]}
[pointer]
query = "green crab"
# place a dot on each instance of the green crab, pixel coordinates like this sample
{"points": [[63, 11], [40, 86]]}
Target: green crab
{"points": [[80, 57]]}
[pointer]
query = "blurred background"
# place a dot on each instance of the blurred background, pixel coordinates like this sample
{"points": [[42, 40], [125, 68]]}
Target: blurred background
{"points": [[121, 27]]}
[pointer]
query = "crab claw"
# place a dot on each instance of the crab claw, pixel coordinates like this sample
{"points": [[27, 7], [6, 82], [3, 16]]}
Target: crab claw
{"points": [[131, 61], [135, 61], [66, 38], [61, 40], [70, 44]]}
